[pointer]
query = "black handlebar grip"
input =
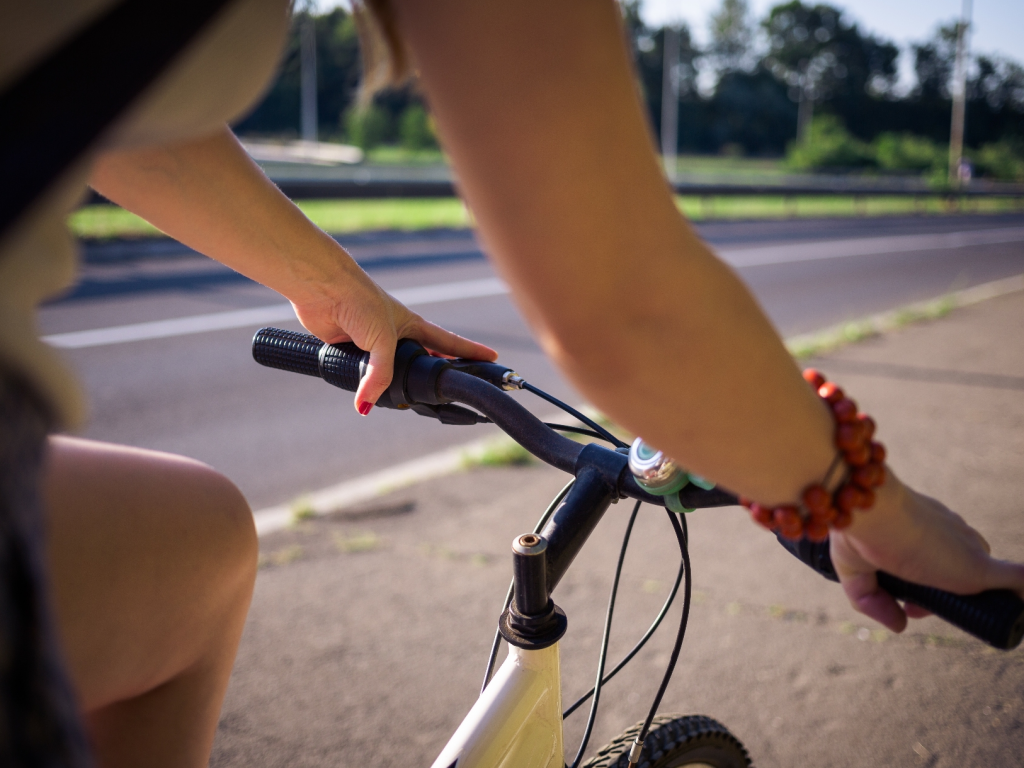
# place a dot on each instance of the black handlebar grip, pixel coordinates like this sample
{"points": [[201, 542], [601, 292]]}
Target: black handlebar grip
{"points": [[995, 616], [342, 365], [287, 350]]}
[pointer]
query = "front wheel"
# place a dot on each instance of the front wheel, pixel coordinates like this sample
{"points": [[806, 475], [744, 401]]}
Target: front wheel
{"points": [[674, 741]]}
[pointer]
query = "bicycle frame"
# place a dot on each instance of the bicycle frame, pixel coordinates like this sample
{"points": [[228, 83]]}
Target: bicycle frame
{"points": [[517, 721]]}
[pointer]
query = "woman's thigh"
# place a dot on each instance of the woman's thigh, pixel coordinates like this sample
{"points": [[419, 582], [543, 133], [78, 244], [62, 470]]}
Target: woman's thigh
{"points": [[152, 559]]}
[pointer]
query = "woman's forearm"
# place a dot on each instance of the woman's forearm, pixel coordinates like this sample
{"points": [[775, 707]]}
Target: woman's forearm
{"points": [[210, 195], [634, 308]]}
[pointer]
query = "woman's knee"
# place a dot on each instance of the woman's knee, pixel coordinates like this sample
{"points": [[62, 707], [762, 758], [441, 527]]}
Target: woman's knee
{"points": [[228, 525], [172, 519]]}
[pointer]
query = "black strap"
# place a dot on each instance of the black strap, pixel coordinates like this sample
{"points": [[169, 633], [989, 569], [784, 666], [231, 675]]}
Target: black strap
{"points": [[49, 117]]}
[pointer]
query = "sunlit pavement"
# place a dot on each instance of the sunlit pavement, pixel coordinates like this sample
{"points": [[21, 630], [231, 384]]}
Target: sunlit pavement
{"points": [[369, 630]]}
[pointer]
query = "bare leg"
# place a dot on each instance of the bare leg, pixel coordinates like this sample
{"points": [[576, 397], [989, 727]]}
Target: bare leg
{"points": [[153, 559]]}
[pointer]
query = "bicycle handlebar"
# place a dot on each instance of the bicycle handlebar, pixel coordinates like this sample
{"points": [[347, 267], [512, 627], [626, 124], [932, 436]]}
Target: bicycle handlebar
{"points": [[429, 385]]}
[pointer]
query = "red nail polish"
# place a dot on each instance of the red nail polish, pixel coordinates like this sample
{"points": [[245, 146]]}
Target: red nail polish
{"points": [[364, 407]]}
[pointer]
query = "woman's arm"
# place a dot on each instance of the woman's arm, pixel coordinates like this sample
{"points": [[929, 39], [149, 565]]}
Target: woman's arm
{"points": [[211, 196], [539, 111]]}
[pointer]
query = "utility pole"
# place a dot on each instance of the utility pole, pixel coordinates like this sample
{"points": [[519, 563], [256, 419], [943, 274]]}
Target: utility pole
{"points": [[307, 46], [670, 102], [805, 106], [956, 128]]}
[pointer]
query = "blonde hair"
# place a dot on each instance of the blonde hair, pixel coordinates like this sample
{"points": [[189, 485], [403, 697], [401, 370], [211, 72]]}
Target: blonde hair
{"points": [[386, 61]]}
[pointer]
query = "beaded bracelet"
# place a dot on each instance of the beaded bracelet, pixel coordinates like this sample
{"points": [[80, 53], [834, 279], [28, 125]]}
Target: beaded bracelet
{"points": [[859, 463]]}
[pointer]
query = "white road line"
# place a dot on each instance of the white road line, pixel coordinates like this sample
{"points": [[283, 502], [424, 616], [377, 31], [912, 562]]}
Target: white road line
{"points": [[276, 313], [867, 246], [492, 286]]}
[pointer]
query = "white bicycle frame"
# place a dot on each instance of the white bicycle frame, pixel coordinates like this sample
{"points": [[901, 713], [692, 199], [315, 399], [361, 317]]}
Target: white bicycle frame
{"points": [[517, 721]]}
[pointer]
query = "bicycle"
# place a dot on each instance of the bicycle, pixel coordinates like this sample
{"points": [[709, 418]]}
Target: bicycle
{"points": [[517, 719]]}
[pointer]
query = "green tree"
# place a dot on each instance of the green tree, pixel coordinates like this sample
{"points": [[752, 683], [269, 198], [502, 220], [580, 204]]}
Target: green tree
{"points": [[732, 37], [933, 65], [828, 145], [416, 130], [1003, 160], [367, 127], [823, 57], [907, 152]]}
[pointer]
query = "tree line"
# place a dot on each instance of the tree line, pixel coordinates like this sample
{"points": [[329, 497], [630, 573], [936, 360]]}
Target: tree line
{"points": [[745, 92]]}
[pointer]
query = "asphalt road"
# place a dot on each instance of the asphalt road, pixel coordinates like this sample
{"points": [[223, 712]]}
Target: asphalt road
{"points": [[280, 435]]}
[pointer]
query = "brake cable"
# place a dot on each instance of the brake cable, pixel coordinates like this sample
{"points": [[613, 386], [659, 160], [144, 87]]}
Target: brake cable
{"points": [[679, 525], [576, 430], [604, 433], [639, 645], [603, 656]]}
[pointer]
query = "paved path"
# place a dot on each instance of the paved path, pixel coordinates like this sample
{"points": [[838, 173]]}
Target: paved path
{"points": [[369, 629]]}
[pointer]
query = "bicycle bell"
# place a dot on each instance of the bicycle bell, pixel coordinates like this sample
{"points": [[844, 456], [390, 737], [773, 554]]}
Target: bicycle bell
{"points": [[654, 471]]}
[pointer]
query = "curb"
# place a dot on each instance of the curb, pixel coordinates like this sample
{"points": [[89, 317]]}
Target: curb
{"points": [[835, 336], [364, 488], [455, 459]]}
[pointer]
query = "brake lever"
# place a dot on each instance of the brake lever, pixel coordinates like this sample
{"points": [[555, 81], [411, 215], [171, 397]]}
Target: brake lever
{"points": [[448, 413]]}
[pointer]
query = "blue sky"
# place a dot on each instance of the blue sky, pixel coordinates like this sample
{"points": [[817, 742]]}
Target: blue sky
{"points": [[998, 24]]}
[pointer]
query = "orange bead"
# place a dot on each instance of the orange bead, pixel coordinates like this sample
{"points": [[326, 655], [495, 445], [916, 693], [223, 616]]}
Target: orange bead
{"points": [[867, 499], [847, 498], [814, 378], [816, 499], [843, 520], [745, 502], [789, 523], [826, 515], [816, 530], [868, 425], [845, 411], [858, 457], [869, 476], [849, 436], [830, 391], [878, 453], [762, 516]]}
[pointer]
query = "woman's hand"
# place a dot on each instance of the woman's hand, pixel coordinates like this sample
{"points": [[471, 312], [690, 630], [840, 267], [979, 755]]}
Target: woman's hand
{"points": [[360, 311], [916, 538], [210, 195]]}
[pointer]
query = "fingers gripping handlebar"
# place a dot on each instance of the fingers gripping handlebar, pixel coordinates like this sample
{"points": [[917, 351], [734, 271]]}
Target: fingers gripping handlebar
{"points": [[431, 385], [995, 616]]}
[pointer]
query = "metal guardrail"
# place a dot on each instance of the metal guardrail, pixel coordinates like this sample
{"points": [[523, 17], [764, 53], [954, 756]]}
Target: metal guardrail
{"points": [[299, 189], [326, 189]]}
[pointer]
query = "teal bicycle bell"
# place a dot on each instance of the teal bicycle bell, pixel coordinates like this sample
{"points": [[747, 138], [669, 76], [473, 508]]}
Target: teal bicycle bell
{"points": [[659, 475]]}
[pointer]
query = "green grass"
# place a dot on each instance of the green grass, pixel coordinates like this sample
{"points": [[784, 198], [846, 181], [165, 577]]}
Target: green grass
{"points": [[402, 156], [346, 216], [779, 207], [340, 216], [719, 165], [108, 221], [833, 338], [336, 216]]}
